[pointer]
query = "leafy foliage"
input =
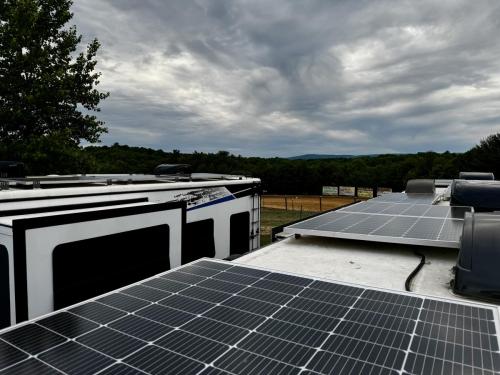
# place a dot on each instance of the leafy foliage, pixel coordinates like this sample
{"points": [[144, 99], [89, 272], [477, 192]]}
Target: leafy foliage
{"points": [[485, 157], [47, 90]]}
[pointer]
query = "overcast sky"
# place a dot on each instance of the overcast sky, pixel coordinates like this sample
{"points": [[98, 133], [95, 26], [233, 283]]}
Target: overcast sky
{"points": [[283, 78]]}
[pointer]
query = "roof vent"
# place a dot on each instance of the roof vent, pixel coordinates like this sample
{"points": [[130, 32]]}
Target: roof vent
{"points": [[482, 195], [476, 273], [476, 176], [420, 186]]}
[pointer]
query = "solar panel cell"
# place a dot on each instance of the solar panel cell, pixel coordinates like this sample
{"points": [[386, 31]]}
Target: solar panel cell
{"points": [[182, 277], [200, 271], [327, 309], [31, 367], [327, 297], [380, 320], [205, 294], [67, 324], [121, 369], [266, 295], [143, 329], [146, 293], [394, 339], [396, 228], [330, 364], [292, 332], [251, 305], [166, 285], [234, 317], [110, 342], [222, 286], [277, 286], [363, 350], [236, 278], [215, 330], [165, 315], [75, 359], [10, 355], [33, 338], [97, 312], [123, 302], [192, 346], [336, 288], [155, 360], [274, 348], [425, 228], [311, 320], [242, 362], [186, 304]]}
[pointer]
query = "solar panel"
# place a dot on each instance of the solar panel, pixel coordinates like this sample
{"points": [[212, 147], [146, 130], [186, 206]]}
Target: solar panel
{"points": [[403, 223], [406, 198], [222, 318]]}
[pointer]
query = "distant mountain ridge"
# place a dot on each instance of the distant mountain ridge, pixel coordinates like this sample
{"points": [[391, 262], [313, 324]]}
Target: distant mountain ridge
{"points": [[324, 156]]}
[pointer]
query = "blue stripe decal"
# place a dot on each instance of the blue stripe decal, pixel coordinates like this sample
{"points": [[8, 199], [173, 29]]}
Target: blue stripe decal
{"points": [[216, 201]]}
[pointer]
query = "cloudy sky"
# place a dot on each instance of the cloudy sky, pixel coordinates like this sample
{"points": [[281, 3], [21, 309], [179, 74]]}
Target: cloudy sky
{"points": [[282, 78]]}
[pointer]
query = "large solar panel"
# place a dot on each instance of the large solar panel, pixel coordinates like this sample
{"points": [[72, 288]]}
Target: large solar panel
{"points": [[403, 223], [215, 317]]}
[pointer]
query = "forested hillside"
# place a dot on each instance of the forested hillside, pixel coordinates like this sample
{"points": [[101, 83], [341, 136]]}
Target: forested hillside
{"points": [[279, 175]]}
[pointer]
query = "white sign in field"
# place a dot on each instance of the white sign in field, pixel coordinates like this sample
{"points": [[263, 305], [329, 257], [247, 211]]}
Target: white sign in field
{"points": [[349, 191], [330, 190], [365, 192]]}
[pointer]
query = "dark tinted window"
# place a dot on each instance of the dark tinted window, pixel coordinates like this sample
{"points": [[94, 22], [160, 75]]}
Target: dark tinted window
{"points": [[4, 288], [87, 268], [240, 233], [198, 241]]}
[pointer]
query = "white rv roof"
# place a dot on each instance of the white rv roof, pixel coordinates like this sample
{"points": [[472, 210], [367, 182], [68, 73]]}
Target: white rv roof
{"points": [[6, 195]]}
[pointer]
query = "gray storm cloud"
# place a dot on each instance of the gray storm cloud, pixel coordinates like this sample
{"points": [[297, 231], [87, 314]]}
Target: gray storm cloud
{"points": [[284, 78]]}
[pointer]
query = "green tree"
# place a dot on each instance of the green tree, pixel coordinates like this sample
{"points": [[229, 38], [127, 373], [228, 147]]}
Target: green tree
{"points": [[47, 87], [484, 157]]}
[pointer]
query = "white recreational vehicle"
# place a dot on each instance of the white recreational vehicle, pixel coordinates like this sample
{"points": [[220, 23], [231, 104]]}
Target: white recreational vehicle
{"points": [[109, 231]]}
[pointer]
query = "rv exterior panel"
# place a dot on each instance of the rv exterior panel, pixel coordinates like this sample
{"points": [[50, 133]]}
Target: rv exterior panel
{"points": [[36, 243]]}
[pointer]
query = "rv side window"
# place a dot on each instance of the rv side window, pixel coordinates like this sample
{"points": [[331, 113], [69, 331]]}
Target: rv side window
{"points": [[240, 233], [198, 241], [4, 288], [88, 268]]}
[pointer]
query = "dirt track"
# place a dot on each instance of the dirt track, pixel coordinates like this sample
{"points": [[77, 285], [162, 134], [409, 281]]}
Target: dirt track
{"points": [[305, 202]]}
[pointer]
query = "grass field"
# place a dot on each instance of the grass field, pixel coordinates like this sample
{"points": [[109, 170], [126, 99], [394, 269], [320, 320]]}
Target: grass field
{"points": [[272, 217]]}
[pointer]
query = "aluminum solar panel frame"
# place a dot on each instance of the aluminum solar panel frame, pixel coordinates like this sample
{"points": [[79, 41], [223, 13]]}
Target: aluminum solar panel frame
{"points": [[216, 317], [401, 223]]}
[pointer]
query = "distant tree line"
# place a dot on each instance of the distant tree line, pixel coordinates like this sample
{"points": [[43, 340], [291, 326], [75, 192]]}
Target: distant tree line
{"points": [[279, 175]]}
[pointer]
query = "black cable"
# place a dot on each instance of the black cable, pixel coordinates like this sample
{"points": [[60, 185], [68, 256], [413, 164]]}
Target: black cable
{"points": [[415, 271]]}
